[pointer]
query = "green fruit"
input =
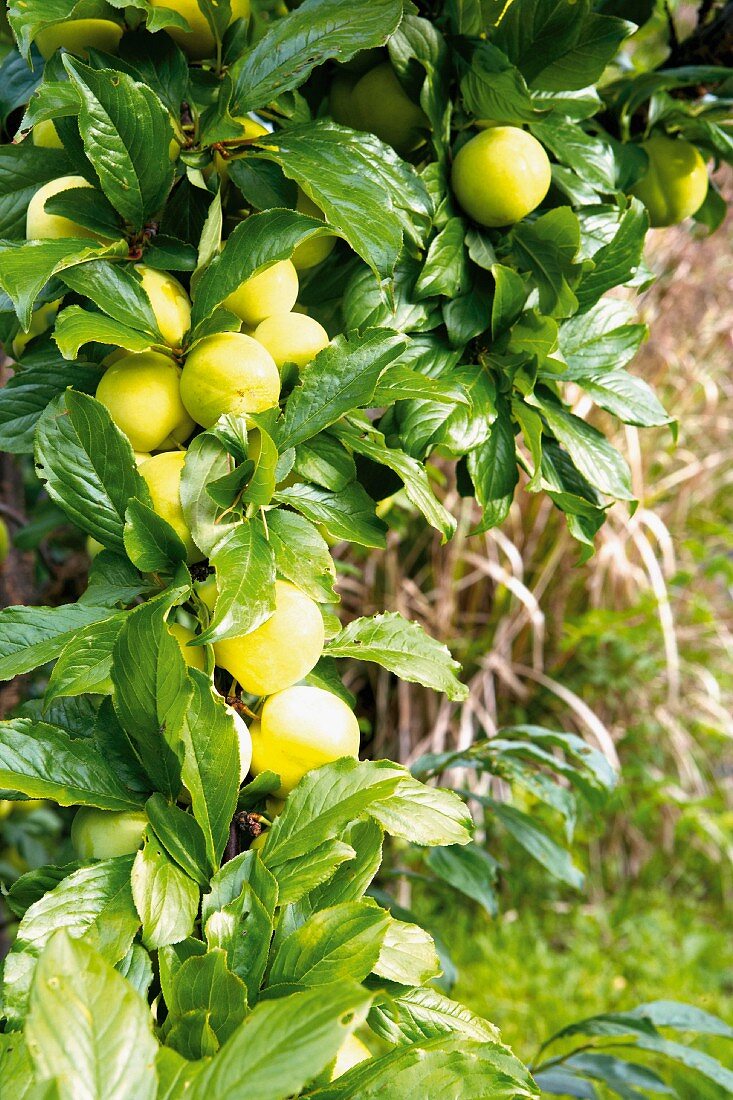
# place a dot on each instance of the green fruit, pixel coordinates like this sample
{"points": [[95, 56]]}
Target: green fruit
{"points": [[250, 130], [245, 744], [102, 834], [45, 135], [79, 35], [142, 392], [171, 305], [281, 651], [43, 226], [501, 175], [341, 100], [676, 181], [163, 476], [315, 250], [274, 290], [194, 656], [5, 542], [41, 320], [228, 373], [381, 105], [299, 729], [199, 42], [292, 338]]}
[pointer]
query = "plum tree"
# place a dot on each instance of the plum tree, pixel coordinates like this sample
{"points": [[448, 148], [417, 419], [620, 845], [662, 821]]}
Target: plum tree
{"points": [[314, 251], [274, 290], [163, 476], [142, 393], [228, 373], [80, 35], [676, 181], [194, 656], [380, 104], [282, 650], [500, 175], [291, 338], [199, 41], [301, 728], [104, 834], [170, 302], [40, 225]]}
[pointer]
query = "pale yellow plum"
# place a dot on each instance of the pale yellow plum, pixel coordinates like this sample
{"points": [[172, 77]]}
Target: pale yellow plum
{"points": [[351, 1052], [142, 393], [381, 105], [315, 250], [302, 728], [163, 476], [194, 656], [171, 305], [199, 42], [228, 373], [282, 650], [501, 175], [41, 225], [274, 290], [250, 129], [79, 35], [245, 744], [104, 834], [46, 135], [41, 320], [675, 183], [292, 338], [341, 100]]}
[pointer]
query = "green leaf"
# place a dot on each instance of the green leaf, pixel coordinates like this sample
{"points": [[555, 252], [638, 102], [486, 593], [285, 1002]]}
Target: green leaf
{"points": [[245, 579], [166, 899], [591, 452], [89, 208], [368, 195], [283, 1044], [211, 764], [88, 466], [115, 289], [23, 169], [417, 1014], [469, 869], [33, 636], [601, 338], [445, 270], [629, 398], [120, 121], [26, 267], [591, 157], [348, 515], [27, 393], [302, 555], [95, 903], [493, 469], [484, 1069], [151, 692], [137, 968], [332, 946], [87, 1027], [76, 326], [404, 648], [510, 294], [151, 543], [43, 761], [616, 262], [424, 815], [204, 984], [547, 248], [86, 660], [317, 32], [302, 876], [181, 836], [492, 88], [407, 955], [207, 460], [535, 840]]}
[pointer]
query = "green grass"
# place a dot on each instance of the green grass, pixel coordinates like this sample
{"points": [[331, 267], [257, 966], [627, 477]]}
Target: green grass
{"points": [[535, 971]]}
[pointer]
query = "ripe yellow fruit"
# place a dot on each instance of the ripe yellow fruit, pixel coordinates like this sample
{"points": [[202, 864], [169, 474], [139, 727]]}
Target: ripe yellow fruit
{"points": [[299, 729], [163, 476], [250, 129], [142, 393], [281, 651], [194, 656], [104, 834], [228, 373], [42, 226], [676, 181], [78, 35], [171, 305], [245, 744], [41, 321], [46, 136], [381, 105], [274, 290], [501, 175], [292, 338], [314, 251], [199, 42], [351, 1052]]}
